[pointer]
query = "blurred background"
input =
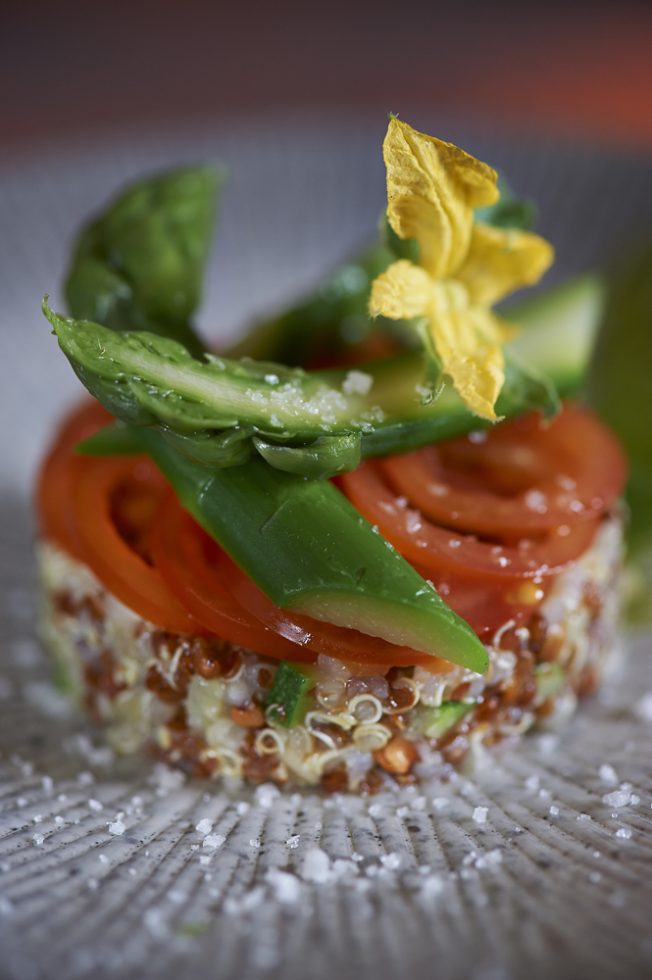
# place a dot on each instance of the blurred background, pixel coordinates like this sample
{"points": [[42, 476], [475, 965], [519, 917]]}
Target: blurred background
{"points": [[293, 97], [73, 67]]}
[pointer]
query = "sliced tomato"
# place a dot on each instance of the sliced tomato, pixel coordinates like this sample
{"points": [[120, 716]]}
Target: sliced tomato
{"points": [[225, 600], [439, 550], [58, 475], [117, 563], [524, 478]]}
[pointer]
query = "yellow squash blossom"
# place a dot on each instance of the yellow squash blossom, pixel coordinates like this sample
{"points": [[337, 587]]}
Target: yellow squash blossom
{"points": [[464, 266]]}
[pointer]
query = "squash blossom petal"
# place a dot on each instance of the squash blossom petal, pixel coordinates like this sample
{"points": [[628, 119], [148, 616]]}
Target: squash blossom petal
{"points": [[464, 267]]}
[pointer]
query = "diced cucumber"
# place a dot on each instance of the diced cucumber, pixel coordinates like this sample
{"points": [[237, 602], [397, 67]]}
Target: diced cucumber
{"points": [[287, 698], [550, 678], [560, 328], [435, 722]]}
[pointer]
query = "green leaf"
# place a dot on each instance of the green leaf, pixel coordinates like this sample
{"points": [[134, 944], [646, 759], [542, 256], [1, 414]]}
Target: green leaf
{"points": [[139, 265]]}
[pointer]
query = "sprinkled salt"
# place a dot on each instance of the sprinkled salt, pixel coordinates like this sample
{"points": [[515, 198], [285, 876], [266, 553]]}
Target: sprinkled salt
{"points": [[608, 775], [624, 833], [213, 840], [583, 816], [117, 827], [95, 805], [532, 783], [643, 708], [391, 861], [619, 798], [102, 858], [255, 842], [293, 841], [553, 811], [316, 865], [242, 808], [38, 839], [37, 818], [440, 803], [432, 886], [286, 887], [357, 383], [59, 821], [204, 827], [480, 814]]}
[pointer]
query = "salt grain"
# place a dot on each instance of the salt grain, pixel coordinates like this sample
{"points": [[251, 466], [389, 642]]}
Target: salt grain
{"points": [[286, 887], [624, 833], [95, 806], [316, 866], [293, 841], [117, 827], [38, 839], [554, 811], [608, 775], [391, 861], [619, 798], [643, 708], [204, 827], [213, 840], [480, 814]]}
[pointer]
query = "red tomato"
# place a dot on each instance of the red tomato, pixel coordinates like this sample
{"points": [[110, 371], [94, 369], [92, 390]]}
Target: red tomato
{"points": [[523, 478]]}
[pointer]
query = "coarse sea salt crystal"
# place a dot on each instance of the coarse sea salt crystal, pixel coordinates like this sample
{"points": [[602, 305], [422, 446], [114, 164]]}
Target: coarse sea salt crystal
{"points": [[480, 814], [95, 805], [619, 798], [608, 774], [213, 840], [38, 839], [357, 383], [643, 707], [293, 841], [117, 827], [204, 827], [286, 886], [316, 866], [624, 833], [391, 861], [553, 811]]}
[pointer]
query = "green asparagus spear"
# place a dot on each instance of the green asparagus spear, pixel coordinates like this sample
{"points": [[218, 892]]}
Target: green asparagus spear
{"points": [[139, 265], [333, 417]]}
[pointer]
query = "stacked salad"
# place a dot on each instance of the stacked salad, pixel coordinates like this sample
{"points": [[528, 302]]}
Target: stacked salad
{"points": [[248, 557]]}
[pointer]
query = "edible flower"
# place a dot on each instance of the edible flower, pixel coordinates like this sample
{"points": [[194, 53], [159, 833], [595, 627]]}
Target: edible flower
{"points": [[463, 266]]}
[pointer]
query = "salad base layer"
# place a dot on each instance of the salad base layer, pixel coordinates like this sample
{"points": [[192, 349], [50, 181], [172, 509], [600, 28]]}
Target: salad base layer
{"points": [[202, 704]]}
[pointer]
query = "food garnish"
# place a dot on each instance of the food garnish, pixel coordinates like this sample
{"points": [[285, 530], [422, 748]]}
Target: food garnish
{"points": [[328, 544]]}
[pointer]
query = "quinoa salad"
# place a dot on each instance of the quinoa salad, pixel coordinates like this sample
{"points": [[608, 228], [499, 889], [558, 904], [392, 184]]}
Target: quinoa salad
{"points": [[204, 705]]}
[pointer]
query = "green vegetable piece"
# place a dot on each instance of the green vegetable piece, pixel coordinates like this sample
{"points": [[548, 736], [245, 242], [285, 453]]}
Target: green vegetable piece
{"points": [[115, 439], [333, 316], [619, 389], [550, 679], [560, 330], [139, 265], [310, 551], [287, 699], [325, 457], [435, 722], [143, 379], [509, 211]]}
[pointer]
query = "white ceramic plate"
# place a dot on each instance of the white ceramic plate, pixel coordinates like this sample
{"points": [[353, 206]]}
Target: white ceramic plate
{"points": [[529, 868]]}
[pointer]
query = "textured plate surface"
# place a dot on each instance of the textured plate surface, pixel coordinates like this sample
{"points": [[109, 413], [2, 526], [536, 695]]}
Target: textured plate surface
{"points": [[539, 865]]}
